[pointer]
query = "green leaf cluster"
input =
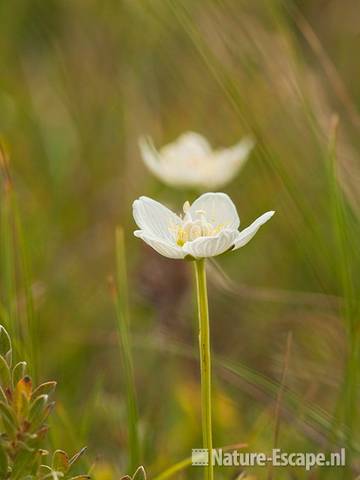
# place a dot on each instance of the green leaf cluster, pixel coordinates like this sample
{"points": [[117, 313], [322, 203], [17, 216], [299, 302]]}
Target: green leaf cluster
{"points": [[24, 410]]}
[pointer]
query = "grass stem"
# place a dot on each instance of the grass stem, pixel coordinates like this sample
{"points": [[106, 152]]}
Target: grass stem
{"points": [[123, 316]]}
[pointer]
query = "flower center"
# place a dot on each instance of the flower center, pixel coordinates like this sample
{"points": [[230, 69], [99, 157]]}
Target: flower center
{"points": [[192, 228]]}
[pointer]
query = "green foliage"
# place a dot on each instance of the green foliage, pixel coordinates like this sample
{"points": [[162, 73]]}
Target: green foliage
{"points": [[23, 412]]}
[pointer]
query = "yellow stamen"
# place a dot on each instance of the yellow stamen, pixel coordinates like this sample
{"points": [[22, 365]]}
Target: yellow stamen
{"points": [[190, 229]]}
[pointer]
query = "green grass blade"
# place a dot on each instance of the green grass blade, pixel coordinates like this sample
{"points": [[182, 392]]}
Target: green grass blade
{"points": [[123, 322], [312, 415], [31, 320], [349, 394], [15, 271], [8, 254]]}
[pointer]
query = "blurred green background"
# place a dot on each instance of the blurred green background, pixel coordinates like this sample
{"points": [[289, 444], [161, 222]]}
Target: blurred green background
{"points": [[80, 82]]}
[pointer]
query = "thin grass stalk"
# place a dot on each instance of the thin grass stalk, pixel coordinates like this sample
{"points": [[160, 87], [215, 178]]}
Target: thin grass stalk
{"points": [[279, 400], [315, 417], [8, 261], [123, 322], [349, 395], [15, 268], [31, 319], [205, 362]]}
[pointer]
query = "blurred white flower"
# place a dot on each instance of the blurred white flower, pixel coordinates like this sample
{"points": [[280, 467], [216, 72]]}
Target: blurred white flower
{"points": [[191, 162], [207, 228]]}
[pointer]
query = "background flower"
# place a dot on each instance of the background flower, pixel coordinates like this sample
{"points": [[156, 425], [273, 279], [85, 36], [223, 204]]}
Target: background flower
{"points": [[191, 162]]}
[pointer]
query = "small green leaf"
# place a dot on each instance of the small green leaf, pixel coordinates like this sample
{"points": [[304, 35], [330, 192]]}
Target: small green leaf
{"points": [[38, 420], [8, 418], [5, 375], [49, 474], [21, 397], [5, 345], [21, 406], [18, 372], [141, 471], [60, 461], [44, 470], [46, 388], [37, 411]]}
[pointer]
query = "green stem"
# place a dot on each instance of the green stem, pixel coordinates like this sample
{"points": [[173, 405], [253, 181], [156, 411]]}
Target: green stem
{"points": [[205, 361]]}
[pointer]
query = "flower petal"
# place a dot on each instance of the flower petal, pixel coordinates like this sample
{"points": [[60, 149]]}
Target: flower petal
{"points": [[247, 234], [151, 157], [219, 210], [189, 144], [228, 161], [211, 246], [155, 219], [161, 246]]}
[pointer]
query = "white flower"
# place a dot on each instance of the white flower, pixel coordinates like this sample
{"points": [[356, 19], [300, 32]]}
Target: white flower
{"points": [[207, 228], [191, 162]]}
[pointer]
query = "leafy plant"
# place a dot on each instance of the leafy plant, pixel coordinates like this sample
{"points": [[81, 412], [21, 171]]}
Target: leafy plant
{"points": [[23, 413]]}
